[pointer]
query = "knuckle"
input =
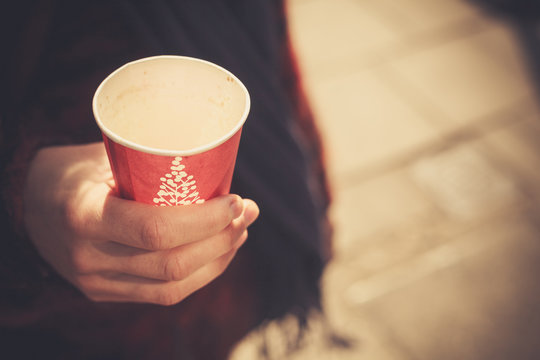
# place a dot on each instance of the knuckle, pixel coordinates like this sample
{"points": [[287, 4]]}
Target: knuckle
{"points": [[217, 219], [89, 286], [223, 265], [221, 217], [153, 232], [226, 260], [241, 239], [81, 262], [175, 268], [95, 297], [233, 234], [168, 297], [72, 217]]}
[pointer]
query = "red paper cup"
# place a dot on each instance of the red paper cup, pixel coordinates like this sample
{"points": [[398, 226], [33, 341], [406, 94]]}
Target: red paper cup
{"points": [[171, 126]]}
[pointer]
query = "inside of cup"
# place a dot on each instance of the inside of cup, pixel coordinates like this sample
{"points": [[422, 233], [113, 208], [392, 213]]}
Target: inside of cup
{"points": [[171, 103]]}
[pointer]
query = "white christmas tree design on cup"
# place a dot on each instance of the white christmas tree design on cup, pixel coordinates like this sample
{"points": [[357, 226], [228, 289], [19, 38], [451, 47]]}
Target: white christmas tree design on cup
{"points": [[177, 187]]}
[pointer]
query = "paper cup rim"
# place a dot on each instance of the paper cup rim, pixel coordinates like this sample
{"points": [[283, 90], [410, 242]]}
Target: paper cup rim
{"points": [[167, 152]]}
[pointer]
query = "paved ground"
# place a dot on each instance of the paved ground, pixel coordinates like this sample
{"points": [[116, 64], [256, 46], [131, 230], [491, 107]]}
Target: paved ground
{"points": [[433, 137]]}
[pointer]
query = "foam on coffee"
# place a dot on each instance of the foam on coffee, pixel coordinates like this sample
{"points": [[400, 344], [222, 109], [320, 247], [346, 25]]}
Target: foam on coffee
{"points": [[169, 105]]}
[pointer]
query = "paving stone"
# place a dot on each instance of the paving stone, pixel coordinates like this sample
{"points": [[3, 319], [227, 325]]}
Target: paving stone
{"points": [[479, 300], [437, 252], [470, 78], [364, 121], [464, 184], [325, 32], [383, 203], [411, 16], [517, 150]]}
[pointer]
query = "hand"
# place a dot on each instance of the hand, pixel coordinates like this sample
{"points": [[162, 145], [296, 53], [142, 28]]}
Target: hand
{"points": [[119, 250]]}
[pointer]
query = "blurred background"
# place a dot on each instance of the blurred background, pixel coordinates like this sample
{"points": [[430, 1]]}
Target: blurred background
{"points": [[429, 110]]}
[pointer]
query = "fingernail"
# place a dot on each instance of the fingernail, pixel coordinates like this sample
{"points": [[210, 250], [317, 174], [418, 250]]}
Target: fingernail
{"points": [[237, 206], [251, 211]]}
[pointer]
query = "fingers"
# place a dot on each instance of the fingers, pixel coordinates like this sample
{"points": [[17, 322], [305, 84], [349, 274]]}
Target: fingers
{"points": [[156, 254], [158, 228], [90, 236], [172, 264], [177, 263], [136, 289]]}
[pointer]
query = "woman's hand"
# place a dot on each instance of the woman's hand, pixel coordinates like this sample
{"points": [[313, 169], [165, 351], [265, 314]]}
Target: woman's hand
{"points": [[119, 250]]}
